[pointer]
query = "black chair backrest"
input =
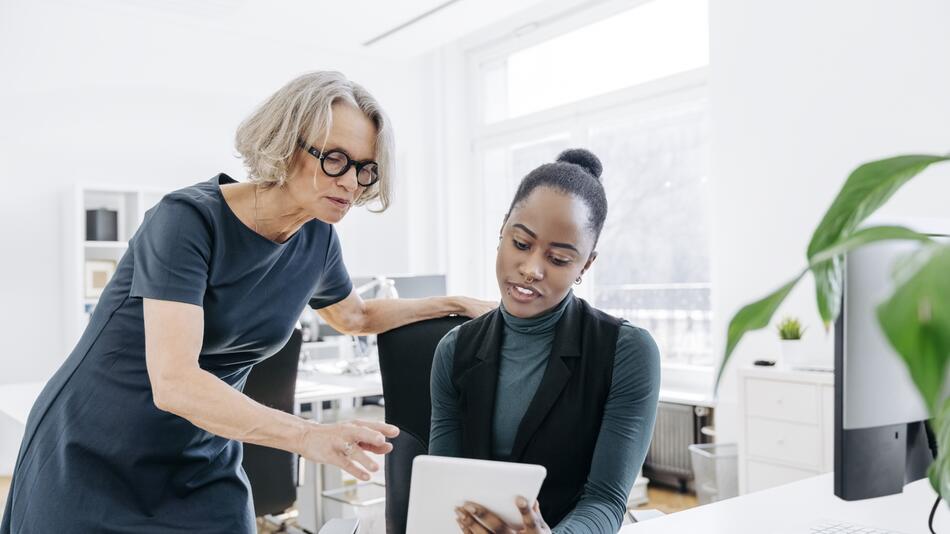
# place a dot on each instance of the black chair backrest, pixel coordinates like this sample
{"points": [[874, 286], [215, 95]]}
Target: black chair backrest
{"points": [[273, 472], [405, 361]]}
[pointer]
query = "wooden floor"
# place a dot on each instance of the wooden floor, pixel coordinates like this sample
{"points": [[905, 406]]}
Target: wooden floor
{"points": [[668, 501]]}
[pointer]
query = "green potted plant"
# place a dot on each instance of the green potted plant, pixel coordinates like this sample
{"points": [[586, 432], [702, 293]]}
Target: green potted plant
{"points": [[915, 318], [790, 333]]}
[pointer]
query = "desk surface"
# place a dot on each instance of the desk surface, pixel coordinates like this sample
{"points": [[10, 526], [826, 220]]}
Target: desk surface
{"points": [[796, 506], [318, 387], [16, 400]]}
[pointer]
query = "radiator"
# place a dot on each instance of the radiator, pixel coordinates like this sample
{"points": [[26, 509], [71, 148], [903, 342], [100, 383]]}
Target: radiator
{"points": [[677, 427]]}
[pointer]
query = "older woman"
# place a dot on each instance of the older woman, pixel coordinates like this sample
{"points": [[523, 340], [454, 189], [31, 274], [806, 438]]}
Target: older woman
{"points": [[140, 430]]}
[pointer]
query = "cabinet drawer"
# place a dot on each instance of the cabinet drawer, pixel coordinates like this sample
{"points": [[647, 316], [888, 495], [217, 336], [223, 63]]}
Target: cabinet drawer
{"points": [[785, 442], [788, 401], [763, 475]]}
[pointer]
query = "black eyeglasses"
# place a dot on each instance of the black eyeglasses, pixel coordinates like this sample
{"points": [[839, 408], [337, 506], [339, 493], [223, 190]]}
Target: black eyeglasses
{"points": [[336, 163]]}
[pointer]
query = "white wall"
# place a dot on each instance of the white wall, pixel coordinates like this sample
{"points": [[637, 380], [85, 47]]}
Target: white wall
{"points": [[801, 93], [107, 96]]}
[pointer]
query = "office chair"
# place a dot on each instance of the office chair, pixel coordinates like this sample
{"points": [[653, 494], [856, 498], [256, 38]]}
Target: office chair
{"points": [[273, 472], [405, 363]]}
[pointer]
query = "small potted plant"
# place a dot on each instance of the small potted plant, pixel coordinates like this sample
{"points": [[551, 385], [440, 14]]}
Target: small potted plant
{"points": [[790, 333]]}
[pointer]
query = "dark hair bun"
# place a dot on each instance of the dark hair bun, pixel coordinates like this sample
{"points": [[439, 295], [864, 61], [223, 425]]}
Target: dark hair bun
{"points": [[583, 157]]}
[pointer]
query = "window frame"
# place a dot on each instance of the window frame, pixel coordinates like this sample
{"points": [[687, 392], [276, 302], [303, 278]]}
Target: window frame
{"points": [[576, 119]]}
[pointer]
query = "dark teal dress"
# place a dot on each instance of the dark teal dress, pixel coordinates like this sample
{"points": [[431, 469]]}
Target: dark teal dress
{"points": [[97, 455]]}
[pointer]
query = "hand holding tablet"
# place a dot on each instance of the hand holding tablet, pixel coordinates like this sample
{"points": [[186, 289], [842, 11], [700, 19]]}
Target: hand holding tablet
{"points": [[474, 518], [441, 484]]}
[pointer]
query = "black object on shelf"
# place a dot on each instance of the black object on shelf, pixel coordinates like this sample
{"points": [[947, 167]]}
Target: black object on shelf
{"points": [[102, 225]]}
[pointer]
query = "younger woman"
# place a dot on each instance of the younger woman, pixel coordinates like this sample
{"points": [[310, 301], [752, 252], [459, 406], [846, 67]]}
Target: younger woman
{"points": [[547, 378]]}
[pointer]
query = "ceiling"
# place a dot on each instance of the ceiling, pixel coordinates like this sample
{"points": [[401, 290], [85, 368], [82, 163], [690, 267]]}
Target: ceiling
{"points": [[375, 27]]}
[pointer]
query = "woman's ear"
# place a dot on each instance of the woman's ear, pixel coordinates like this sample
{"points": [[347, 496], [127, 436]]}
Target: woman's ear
{"points": [[590, 260]]}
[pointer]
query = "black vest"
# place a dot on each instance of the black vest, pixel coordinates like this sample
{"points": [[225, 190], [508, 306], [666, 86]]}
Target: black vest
{"points": [[560, 428]]}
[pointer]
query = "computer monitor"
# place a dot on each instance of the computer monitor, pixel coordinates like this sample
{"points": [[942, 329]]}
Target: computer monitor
{"points": [[880, 436], [411, 286]]}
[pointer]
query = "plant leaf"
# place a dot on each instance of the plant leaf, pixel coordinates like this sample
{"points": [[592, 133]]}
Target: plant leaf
{"points": [[754, 316], [865, 190], [863, 237], [757, 315], [916, 321], [828, 276], [939, 471]]}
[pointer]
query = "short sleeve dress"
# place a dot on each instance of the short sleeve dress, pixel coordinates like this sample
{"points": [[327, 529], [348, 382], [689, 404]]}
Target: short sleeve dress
{"points": [[97, 455]]}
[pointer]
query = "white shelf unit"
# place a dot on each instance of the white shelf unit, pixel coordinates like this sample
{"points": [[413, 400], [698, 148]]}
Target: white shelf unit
{"points": [[130, 205], [786, 426]]}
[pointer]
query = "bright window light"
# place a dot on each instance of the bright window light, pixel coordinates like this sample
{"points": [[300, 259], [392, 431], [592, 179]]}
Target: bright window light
{"points": [[651, 41]]}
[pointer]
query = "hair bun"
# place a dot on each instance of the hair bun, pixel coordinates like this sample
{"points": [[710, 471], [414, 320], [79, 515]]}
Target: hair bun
{"points": [[583, 157]]}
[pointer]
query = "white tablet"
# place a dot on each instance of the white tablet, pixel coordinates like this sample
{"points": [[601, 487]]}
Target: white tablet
{"points": [[439, 484]]}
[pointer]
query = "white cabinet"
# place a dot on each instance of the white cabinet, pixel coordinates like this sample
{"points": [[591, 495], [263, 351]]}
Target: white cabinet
{"points": [[786, 423], [90, 263]]}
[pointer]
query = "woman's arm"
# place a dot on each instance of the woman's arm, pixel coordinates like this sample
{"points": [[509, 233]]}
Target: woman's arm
{"points": [[356, 316], [624, 437], [445, 432], [173, 337]]}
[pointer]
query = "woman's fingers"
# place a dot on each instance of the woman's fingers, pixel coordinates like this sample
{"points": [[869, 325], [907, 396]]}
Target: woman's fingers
{"points": [[361, 435], [385, 448], [527, 514], [364, 460], [463, 520], [353, 468], [346, 445], [353, 460], [485, 517], [385, 429], [530, 516], [468, 523]]}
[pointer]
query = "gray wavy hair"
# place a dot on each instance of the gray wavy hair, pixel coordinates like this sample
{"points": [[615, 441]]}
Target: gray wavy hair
{"points": [[268, 140]]}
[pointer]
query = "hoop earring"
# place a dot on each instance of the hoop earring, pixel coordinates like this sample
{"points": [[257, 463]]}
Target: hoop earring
{"points": [[578, 281]]}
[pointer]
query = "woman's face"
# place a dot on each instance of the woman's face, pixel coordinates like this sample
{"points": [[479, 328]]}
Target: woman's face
{"points": [[324, 197], [545, 245]]}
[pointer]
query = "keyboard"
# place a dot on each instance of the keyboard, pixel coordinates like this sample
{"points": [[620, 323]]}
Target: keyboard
{"points": [[840, 527]]}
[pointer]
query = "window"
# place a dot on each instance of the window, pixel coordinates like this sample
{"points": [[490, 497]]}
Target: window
{"points": [[652, 41], [648, 125], [654, 268]]}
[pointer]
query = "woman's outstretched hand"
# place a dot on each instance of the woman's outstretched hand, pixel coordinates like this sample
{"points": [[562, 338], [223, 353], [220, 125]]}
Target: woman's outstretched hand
{"points": [[345, 444], [474, 518]]}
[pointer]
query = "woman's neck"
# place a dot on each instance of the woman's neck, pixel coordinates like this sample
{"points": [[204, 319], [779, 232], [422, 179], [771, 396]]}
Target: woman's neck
{"points": [[538, 324], [269, 211]]}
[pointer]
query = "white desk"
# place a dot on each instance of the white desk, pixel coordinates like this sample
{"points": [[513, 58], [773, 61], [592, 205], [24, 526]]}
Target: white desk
{"points": [[320, 387], [797, 505], [689, 398]]}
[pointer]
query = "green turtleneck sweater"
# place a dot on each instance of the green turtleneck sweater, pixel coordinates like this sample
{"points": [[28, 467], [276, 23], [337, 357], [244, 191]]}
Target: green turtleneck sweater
{"points": [[628, 416]]}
